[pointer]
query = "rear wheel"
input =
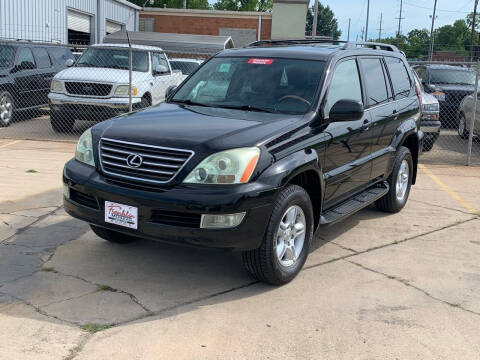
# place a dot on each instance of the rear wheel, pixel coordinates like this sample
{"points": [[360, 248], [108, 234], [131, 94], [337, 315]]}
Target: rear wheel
{"points": [[6, 108], [462, 126], [112, 236], [287, 240], [60, 122]]}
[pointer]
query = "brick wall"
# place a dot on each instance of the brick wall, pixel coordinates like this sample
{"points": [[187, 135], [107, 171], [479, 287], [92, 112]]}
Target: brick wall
{"points": [[207, 25]]}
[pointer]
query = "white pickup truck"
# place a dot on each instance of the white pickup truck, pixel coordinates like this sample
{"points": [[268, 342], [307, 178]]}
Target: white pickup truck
{"points": [[96, 86]]}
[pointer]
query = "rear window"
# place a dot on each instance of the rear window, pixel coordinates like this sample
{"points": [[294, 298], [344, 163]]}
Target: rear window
{"points": [[43, 60], [375, 81], [399, 76]]}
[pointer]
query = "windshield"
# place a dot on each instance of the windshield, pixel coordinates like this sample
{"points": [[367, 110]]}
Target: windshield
{"points": [[443, 76], [6, 56], [114, 59], [185, 67], [275, 85]]}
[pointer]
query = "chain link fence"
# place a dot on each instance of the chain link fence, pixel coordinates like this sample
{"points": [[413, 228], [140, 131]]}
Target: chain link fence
{"points": [[55, 92]]}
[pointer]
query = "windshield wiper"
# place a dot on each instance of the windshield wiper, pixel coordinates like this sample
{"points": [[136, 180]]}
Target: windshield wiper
{"points": [[245, 108], [188, 102]]}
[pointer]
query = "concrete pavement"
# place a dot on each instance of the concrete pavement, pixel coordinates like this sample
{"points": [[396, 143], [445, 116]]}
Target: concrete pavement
{"points": [[377, 285]]}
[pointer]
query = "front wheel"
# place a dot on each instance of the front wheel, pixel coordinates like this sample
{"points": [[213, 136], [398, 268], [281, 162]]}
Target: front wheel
{"points": [[287, 240], [400, 181], [462, 126], [6, 108]]}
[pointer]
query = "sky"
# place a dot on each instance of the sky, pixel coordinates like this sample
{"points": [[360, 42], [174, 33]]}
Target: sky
{"points": [[416, 14]]}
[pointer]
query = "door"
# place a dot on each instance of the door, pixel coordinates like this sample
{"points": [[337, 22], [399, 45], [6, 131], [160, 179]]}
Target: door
{"points": [[26, 81], [45, 74], [160, 81], [347, 164], [383, 112]]}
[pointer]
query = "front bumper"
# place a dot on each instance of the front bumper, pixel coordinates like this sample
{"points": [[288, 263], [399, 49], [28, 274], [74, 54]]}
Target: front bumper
{"points": [[255, 199]]}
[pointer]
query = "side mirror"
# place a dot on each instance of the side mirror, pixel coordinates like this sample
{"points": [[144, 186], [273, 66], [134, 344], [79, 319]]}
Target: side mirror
{"points": [[69, 62], [160, 69], [170, 90], [346, 110]]}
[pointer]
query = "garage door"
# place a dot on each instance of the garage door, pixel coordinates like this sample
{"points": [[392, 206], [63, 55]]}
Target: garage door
{"points": [[113, 27], [78, 21]]}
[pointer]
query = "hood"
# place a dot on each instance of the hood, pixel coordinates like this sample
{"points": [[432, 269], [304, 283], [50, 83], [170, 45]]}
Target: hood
{"points": [[93, 74], [195, 128]]}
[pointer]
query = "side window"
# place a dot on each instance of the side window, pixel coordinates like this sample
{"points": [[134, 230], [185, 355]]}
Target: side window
{"points": [[400, 78], [43, 60], [375, 82], [25, 56], [159, 59], [345, 84], [60, 54]]}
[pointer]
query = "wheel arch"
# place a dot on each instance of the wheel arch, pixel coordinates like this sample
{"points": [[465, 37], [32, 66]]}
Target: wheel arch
{"points": [[411, 142]]}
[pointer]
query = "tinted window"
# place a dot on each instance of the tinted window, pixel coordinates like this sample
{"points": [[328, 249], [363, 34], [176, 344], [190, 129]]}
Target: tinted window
{"points": [[375, 83], [60, 54], [270, 84], [159, 59], [185, 67], [452, 76], [345, 84], [113, 58], [43, 60], [399, 76], [6, 56], [25, 55]]}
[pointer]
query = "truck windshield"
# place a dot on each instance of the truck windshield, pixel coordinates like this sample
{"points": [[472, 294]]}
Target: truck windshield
{"points": [[444, 76], [114, 59], [6, 56], [258, 84]]}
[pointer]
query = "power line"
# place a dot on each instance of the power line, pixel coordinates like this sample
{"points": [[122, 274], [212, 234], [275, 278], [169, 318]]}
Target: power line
{"points": [[439, 10]]}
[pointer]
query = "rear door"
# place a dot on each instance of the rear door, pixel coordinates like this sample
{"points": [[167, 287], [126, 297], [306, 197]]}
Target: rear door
{"points": [[45, 74]]}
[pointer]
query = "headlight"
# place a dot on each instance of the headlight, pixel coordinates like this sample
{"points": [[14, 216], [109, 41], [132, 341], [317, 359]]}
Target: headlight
{"points": [[84, 152], [227, 167], [430, 107], [122, 90], [56, 86]]}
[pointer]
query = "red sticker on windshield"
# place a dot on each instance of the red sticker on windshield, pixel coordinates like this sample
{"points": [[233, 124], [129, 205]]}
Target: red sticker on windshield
{"points": [[260, 61]]}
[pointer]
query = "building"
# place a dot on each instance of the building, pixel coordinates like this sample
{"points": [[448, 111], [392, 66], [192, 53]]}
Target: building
{"points": [[66, 21], [244, 27]]}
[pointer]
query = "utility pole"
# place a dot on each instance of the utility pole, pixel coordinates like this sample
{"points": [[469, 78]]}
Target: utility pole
{"points": [[473, 29], [400, 18], [363, 32], [348, 32], [380, 28], [431, 32], [315, 19], [368, 15]]}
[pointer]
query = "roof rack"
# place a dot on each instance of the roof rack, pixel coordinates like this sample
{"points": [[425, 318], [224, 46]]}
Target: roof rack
{"points": [[348, 45]]}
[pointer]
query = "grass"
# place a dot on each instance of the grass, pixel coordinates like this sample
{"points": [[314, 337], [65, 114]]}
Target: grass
{"points": [[49, 269], [106, 288], [31, 171], [93, 328]]}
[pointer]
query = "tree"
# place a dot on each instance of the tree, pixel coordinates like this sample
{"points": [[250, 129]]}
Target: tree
{"points": [[327, 24], [175, 4], [244, 5]]}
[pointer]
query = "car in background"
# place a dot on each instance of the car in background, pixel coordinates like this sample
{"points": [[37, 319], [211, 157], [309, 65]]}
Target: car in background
{"points": [[449, 85], [97, 86], [465, 117], [26, 70], [429, 121], [186, 66]]}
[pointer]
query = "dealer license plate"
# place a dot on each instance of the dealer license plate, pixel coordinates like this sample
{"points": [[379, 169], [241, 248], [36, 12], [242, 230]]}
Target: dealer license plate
{"points": [[120, 214]]}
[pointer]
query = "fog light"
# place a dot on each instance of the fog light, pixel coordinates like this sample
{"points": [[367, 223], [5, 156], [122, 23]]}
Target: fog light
{"points": [[66, 191], [221, 221]]}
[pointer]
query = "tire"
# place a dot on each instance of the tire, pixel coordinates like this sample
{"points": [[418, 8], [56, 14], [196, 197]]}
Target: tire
{"points": [[7, 106], [60, 123], [391, 202], [112, 236], [462, 126], [264, 263], [428, 142]]}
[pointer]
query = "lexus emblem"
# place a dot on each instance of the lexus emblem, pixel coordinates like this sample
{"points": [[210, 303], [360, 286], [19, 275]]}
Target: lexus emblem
{"points": [[134, 160]]}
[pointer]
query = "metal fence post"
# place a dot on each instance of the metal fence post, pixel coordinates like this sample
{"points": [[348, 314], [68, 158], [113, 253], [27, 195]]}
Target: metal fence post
{"points": [[472, 125], [130, 65]]}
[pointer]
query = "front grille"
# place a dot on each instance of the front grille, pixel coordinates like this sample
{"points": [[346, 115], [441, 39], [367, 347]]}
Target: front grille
{"points": [[83, 199], [88, 89], [176, 218], [152, 164]]}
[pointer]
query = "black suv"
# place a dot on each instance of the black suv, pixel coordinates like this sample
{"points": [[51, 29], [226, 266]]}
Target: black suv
{"points": [[26, 70], [449, 84], [255, 150]]}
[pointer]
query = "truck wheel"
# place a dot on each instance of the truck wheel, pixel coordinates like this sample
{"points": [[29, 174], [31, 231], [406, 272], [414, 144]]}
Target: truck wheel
{"points": [[6, 108], [112, 236], [60, 123], [428, 143], [400, 181], [462, 126], [286, 243]]}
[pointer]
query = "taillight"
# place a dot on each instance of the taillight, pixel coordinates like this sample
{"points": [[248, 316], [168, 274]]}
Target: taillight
{"points": [[419, 96]]}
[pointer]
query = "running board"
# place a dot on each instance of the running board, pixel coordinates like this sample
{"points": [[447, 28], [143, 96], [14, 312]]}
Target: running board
{"points": [[351, 206]]}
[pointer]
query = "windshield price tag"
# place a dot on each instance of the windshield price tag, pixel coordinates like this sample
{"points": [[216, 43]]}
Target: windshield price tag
{"points": [[260, 61]]}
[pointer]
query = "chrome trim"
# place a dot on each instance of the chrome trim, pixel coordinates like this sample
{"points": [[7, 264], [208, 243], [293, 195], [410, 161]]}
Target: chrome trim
{"points": [[109, 95], [138, 179], [430, 129]]}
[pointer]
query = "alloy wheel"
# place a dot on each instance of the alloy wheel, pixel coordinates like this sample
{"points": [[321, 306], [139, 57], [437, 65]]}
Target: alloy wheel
{"points": [[290, 236]]}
